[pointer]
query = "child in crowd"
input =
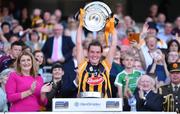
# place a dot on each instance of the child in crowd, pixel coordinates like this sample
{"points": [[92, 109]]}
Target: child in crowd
{"points": [[128, 77], [138, 66]]}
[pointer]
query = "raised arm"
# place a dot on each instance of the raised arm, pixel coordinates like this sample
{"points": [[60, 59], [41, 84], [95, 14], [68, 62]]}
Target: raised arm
{"points": [[80, 55], [112, 49]]}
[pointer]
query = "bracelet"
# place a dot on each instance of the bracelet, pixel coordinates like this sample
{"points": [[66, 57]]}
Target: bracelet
{"points": [[30, 92]]}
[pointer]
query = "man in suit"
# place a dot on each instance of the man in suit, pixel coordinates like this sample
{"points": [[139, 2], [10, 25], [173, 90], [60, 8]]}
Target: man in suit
{"points": [[58, 48], [171, 92], [144, 96], [147, 99]]}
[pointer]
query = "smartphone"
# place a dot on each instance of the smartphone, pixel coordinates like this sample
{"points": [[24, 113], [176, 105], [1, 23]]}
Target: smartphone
{"points": [[134, 37]]}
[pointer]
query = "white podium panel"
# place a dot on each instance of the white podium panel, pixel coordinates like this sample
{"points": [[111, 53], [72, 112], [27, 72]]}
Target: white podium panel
{"points": [[144, 112], [89, 113], [87, 104]]}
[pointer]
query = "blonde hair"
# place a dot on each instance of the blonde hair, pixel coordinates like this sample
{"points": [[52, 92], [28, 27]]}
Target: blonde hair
{"points": [[34, 69], [128, 54]]}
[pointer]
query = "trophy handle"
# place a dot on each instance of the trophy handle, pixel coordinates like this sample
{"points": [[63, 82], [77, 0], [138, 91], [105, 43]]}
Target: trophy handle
{"points": [[116, 20], [76, 15]]}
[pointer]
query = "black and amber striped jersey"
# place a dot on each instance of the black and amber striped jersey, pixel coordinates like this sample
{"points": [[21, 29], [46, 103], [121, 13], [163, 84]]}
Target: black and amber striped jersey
{"points": [[95, 78]]}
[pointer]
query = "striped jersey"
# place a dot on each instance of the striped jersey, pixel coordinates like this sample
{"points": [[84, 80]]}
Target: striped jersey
{"points": [[95, 78]]}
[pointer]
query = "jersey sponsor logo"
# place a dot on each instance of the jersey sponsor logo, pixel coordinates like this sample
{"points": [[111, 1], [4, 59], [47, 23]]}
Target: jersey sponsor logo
{"points": [[95, 80]]}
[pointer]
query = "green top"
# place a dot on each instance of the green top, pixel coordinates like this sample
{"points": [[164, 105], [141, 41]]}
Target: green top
{"points": [[121, 80]]}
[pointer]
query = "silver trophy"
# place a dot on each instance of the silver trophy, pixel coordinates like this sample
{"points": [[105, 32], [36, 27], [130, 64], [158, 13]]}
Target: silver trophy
{"points": [[96, 14]]}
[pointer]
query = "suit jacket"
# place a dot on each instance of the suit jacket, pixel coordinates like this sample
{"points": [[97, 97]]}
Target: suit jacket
{"points": [[68, 87], [168, 90], [153, 102], [67, 47]]}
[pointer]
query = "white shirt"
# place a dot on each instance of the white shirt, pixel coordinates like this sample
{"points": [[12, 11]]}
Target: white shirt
{"points": [[147, 56]]}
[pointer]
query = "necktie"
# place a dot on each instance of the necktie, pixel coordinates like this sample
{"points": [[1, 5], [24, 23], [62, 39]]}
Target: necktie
{"points": [[55, 49], [175, 88]]}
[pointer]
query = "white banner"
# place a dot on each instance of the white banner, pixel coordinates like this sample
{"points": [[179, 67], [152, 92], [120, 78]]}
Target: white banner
{"points": [[89, 113], [87, 104]]}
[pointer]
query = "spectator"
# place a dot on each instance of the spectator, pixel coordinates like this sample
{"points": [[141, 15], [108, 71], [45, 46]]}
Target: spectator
{"points": [[5, 27], [150, 29], [173, 45], [138, 66], [153, 12], [8, 60], [71, 29], [58, 15], [173, 57], [158, 68], [119, 11], [171, 91], [146, 98], [14, 23], [13, 38], [24, 88], [6, 15], [34, 41], [40, 60], [128, 23], [115, 69], [46, 28], [25, 20], [166, 36], [58, 48], [161, 18], [36, 16], [56, 91], [127, 74], [172, 52], [176, 30], [3, 80], [150, 47]]}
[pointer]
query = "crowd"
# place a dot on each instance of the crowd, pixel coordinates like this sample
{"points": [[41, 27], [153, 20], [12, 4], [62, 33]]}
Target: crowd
{"points": [[140, 64]]}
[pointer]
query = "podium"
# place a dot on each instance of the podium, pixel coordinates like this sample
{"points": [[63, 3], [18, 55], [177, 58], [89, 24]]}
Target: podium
{"points": [[87, 104]]}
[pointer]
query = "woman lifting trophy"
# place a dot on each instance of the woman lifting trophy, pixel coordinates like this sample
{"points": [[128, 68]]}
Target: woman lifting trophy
{"points": [[93, 72]]}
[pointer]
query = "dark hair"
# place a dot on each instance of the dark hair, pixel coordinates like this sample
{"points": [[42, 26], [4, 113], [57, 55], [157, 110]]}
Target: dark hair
{"points": [[153, 25], [34, 32], [172, 41], [17, 43], [5, 23], [56, 65], [95, 43], [130, 30], [39, 51]]}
